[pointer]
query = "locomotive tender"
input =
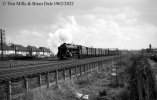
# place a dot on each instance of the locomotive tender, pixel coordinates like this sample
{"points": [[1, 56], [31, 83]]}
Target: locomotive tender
{"points": [[71, 51]]}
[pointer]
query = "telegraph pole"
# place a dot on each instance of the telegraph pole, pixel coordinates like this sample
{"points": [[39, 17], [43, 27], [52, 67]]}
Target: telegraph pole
{"points": [[2, 40]]}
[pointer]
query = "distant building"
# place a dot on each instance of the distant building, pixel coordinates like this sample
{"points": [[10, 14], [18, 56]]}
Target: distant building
{"points": [[6, 50], [45, 51], [150, 49], [124, 51], [19, 49], [33, 51]]}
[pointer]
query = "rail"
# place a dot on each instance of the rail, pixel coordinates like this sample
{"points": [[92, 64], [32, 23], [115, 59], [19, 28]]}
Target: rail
{"points": [[37, 77]]}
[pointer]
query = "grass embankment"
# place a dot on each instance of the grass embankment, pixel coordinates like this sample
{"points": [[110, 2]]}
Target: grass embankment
{"points": [[140, 79], [97, 85], [133, 81]]}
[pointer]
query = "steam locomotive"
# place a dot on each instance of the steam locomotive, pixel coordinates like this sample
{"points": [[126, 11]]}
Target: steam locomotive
{"points": [[71, 51]]}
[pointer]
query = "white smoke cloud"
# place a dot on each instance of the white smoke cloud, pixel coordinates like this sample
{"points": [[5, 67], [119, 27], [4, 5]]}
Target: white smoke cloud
{"points": [[62, 34], [101, 28]]}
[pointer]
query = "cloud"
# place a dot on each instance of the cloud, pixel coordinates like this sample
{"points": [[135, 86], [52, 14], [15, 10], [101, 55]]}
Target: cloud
{"points": [[103, 28], [99, 27], [27, 37]]}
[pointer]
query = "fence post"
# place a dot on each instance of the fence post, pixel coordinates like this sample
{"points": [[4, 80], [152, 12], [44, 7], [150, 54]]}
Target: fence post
{"points": [[47, 79], [84, 68], [10, 66], [117, 81], [88, 68], [80, 71], [91, 67], [56, 74], [39, 79], [98, 64], [70, 72], [64, 74], [101, 63], [104, 63], [76, 70], [111, 75], [9, 91], [95, 64], [26, 83], [108, 61]]}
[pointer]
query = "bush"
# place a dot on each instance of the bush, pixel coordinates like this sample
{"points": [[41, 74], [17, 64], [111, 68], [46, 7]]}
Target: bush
{"points": [[123, 95], [66, 92], [141, 80]]}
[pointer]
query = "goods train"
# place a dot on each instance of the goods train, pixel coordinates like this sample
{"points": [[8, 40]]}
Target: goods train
{"points": [[71, 51]]}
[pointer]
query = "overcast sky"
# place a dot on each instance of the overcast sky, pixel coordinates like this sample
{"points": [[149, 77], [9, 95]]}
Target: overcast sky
{"points": [[123, 24]]}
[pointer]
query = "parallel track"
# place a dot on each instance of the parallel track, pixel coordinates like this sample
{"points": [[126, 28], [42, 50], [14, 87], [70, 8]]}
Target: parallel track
{"points": [[46, 67]]}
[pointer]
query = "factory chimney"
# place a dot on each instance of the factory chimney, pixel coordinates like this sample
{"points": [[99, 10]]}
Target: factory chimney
{"points": [[150, 46]]}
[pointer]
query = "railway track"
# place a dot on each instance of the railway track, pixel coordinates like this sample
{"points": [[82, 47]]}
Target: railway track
{"points": [[18, 80], [41, 68], [27, 70], [17, 64], [33, 63]]}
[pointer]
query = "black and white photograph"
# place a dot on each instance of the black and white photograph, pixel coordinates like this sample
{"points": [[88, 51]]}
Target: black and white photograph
{"points": [[78, 49]]}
